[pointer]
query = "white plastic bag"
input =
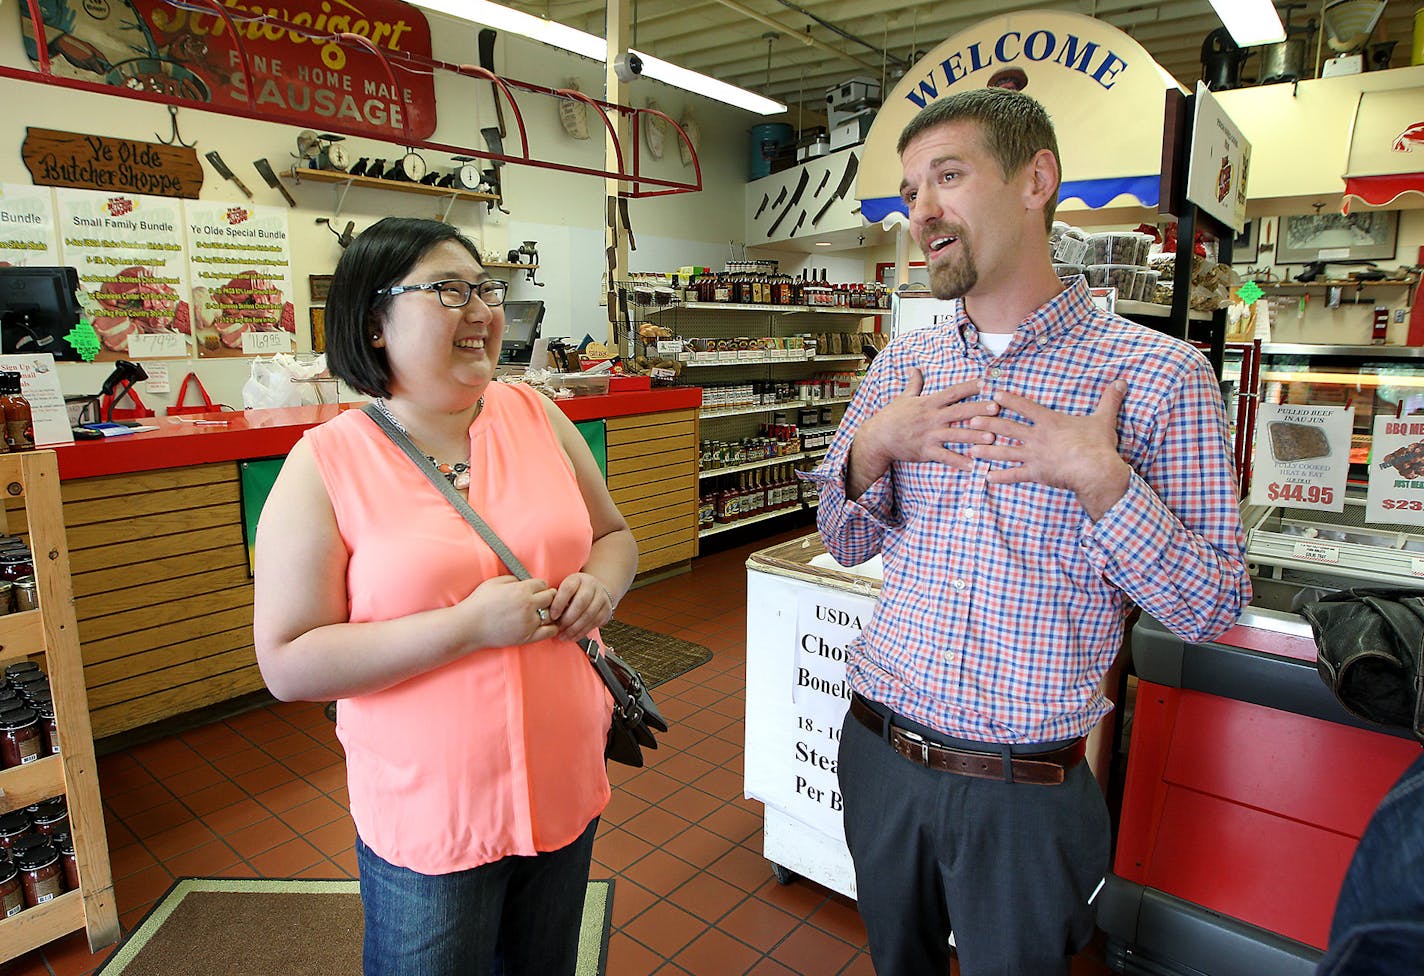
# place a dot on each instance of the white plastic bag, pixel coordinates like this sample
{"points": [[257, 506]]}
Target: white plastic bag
{"points": [[284, 381]]}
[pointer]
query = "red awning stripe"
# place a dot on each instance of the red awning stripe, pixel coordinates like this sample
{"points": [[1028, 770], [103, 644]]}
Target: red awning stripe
{"points": [[1381, 191]]}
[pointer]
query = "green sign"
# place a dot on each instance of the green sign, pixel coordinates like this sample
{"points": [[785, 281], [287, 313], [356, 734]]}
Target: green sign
{"points": [[255, 479]]}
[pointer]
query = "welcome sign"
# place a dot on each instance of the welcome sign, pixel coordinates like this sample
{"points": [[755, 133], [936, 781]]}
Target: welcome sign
{"points": [[1103, 90]]}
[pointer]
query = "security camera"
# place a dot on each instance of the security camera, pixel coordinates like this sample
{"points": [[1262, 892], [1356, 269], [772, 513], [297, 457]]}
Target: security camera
{"points": [[628, 67]]}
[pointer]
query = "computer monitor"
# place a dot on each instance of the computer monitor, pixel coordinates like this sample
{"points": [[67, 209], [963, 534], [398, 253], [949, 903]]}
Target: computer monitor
{"points": [[38, 307], [521, 328]]}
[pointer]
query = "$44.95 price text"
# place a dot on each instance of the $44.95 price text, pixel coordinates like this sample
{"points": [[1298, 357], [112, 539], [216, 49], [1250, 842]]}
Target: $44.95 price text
{"points": [[1304, 494]]}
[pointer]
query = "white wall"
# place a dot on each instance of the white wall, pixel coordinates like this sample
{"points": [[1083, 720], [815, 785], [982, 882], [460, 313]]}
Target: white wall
{"points": [[562, 212]]}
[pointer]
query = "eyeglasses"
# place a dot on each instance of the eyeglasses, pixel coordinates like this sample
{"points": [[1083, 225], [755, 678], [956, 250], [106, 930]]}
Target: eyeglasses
{"points": [[456, 292]]}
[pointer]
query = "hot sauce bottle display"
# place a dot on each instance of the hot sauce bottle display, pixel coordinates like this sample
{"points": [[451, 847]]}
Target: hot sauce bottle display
{"points": [[19, 421]]}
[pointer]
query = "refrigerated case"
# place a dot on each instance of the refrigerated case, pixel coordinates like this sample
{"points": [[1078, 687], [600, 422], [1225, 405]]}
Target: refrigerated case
{"points": [[1248, 785]]}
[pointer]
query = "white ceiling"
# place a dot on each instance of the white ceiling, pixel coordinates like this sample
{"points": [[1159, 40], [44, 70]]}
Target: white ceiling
{"points": [[725, 38]]}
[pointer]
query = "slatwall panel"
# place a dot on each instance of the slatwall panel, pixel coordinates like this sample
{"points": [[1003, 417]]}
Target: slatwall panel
{"points": [[652, 475], [164, 601]]}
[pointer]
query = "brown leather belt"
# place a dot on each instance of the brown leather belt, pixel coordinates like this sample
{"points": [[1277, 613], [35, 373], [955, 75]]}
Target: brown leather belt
{"points": [[1039, 768]]}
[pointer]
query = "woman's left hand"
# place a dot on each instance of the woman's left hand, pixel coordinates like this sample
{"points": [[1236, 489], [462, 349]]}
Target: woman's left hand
{"points": [[581, 604]]}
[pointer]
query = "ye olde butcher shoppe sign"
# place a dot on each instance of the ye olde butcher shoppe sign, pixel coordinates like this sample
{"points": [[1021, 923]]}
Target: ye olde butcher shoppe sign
{"points": [[300, 73], [118, 165]]}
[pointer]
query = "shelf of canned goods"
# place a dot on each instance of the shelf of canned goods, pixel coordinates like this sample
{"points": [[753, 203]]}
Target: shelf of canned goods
{"points": [[54, 858]]}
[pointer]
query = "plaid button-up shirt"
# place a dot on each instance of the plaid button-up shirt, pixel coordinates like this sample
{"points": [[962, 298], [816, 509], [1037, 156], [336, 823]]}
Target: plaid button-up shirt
{"points": [[1004, 605]]}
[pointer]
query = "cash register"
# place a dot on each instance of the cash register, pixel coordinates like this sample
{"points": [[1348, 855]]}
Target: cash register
{"points": [[521, 328]]}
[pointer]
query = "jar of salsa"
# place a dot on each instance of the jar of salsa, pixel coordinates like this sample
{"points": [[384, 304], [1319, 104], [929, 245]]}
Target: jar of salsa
{"points": [[49, 729], [12, 894], [12, 671], [20, 738], [41, 874], [50, 816], [25, 594], [13, 826], [65, 843], [14, 565]]}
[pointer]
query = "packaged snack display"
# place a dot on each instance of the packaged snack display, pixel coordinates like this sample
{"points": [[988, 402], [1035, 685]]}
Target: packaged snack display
{"points": [[1165, 264], [1161, 293], [1114, 247], [1119, 276], [1144, 283], [1067, 270]]}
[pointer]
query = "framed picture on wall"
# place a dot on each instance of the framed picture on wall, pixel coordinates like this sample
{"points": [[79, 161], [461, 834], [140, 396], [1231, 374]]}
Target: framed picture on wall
{"points": [[320, 287], [318, 328], [1370, 236], [1247, 243]]}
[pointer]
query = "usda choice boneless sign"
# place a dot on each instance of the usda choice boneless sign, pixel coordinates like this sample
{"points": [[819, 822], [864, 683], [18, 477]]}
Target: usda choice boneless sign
{"points": [[816, 698]]}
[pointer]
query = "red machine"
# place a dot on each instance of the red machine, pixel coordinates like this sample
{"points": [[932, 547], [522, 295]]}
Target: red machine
{"points": [[1248, 787]]}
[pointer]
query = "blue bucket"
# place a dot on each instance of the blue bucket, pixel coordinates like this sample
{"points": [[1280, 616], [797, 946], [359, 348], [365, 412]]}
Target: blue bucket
{"points": [[766, 141]]}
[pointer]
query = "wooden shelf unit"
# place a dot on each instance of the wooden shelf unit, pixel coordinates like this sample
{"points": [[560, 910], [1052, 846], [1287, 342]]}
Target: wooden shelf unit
{"points": [[31, 485]]}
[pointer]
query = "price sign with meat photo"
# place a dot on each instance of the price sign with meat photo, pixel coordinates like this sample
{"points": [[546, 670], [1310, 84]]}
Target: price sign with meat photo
{"points": [[1396, 490], [1302, 456], [240, 262], [133, 277]]}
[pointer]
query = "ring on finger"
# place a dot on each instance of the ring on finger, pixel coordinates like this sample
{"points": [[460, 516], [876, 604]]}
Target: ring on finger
{"points": [[543, 615]]}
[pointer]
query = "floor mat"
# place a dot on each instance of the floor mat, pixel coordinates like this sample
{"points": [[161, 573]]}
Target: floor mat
{"points": [[255, 927], [658, 657]]}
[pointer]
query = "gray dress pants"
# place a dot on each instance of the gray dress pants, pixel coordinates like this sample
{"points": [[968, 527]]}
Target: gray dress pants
{"points": [[1008, 866]]}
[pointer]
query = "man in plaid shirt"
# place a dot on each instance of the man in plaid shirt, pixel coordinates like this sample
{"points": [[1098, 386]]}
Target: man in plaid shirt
{"points": [[1029, 471]]}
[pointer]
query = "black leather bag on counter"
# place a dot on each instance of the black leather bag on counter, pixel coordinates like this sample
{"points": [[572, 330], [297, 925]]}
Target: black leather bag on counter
{"points": [[1370, 645], [635, 717]]}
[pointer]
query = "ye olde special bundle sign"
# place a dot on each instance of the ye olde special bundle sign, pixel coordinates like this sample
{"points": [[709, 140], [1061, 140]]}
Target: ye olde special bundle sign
{"points": [[241, 268]]}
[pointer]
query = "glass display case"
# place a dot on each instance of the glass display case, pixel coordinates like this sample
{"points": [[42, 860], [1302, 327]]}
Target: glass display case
{"points": [[1306, 549]]}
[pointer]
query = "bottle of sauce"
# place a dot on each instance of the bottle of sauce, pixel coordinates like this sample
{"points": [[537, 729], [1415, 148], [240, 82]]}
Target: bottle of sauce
{"points": [[41, 874], [12, 895], [19, 421], [20, 738]]}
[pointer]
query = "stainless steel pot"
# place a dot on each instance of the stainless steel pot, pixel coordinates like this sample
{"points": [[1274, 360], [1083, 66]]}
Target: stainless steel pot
{"points": [[1284, 61]]}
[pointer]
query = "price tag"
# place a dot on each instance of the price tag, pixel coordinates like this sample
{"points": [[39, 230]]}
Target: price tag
{"points": [[1396, 489], [1302, 456], [669, 345], [1316, 553], [158, 381], [158, 345], [265, 343]]}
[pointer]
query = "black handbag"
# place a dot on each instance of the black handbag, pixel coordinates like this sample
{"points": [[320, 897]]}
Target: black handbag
{"points": [[635, 716], [1371, 653]]}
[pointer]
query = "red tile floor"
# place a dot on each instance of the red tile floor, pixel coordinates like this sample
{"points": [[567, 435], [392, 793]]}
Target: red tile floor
{"points": [[263, 794]]}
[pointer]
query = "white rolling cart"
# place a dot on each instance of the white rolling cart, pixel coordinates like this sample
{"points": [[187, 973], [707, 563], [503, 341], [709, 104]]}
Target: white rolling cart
{"points": [[802, 612]]}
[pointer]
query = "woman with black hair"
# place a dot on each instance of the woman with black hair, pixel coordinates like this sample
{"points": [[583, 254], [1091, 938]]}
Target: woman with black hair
{"points": [[473, 725]]}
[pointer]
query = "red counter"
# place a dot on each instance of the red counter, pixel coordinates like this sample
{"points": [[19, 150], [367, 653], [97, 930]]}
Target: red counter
{"points": [[246, 434]]}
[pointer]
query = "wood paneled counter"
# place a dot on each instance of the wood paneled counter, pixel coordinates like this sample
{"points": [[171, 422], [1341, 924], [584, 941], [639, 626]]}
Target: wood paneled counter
{"points": [[159, 559]]}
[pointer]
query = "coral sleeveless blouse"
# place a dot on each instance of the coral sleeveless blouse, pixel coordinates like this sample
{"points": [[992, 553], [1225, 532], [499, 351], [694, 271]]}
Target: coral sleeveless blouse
{"points": [[500, 752]]}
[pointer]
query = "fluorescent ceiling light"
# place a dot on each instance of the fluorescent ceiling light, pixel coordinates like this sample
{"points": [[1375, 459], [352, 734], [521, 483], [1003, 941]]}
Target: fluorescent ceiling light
{"points": [[823, 243], [679, 77], [579, 42], [1251, 22]]}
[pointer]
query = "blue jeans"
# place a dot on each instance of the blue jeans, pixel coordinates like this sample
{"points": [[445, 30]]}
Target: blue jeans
{"points": [[1378, 928], [518, 916]]}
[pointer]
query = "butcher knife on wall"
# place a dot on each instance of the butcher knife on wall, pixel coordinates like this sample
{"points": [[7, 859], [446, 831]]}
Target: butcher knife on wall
{"points": [[847, 181]]}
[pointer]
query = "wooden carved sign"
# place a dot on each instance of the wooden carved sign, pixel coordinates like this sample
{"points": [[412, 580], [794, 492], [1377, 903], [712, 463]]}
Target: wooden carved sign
{"points": [[104, 163]]}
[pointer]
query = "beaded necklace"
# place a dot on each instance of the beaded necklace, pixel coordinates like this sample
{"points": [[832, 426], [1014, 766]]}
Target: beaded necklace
{"points": [[458, 474]]}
